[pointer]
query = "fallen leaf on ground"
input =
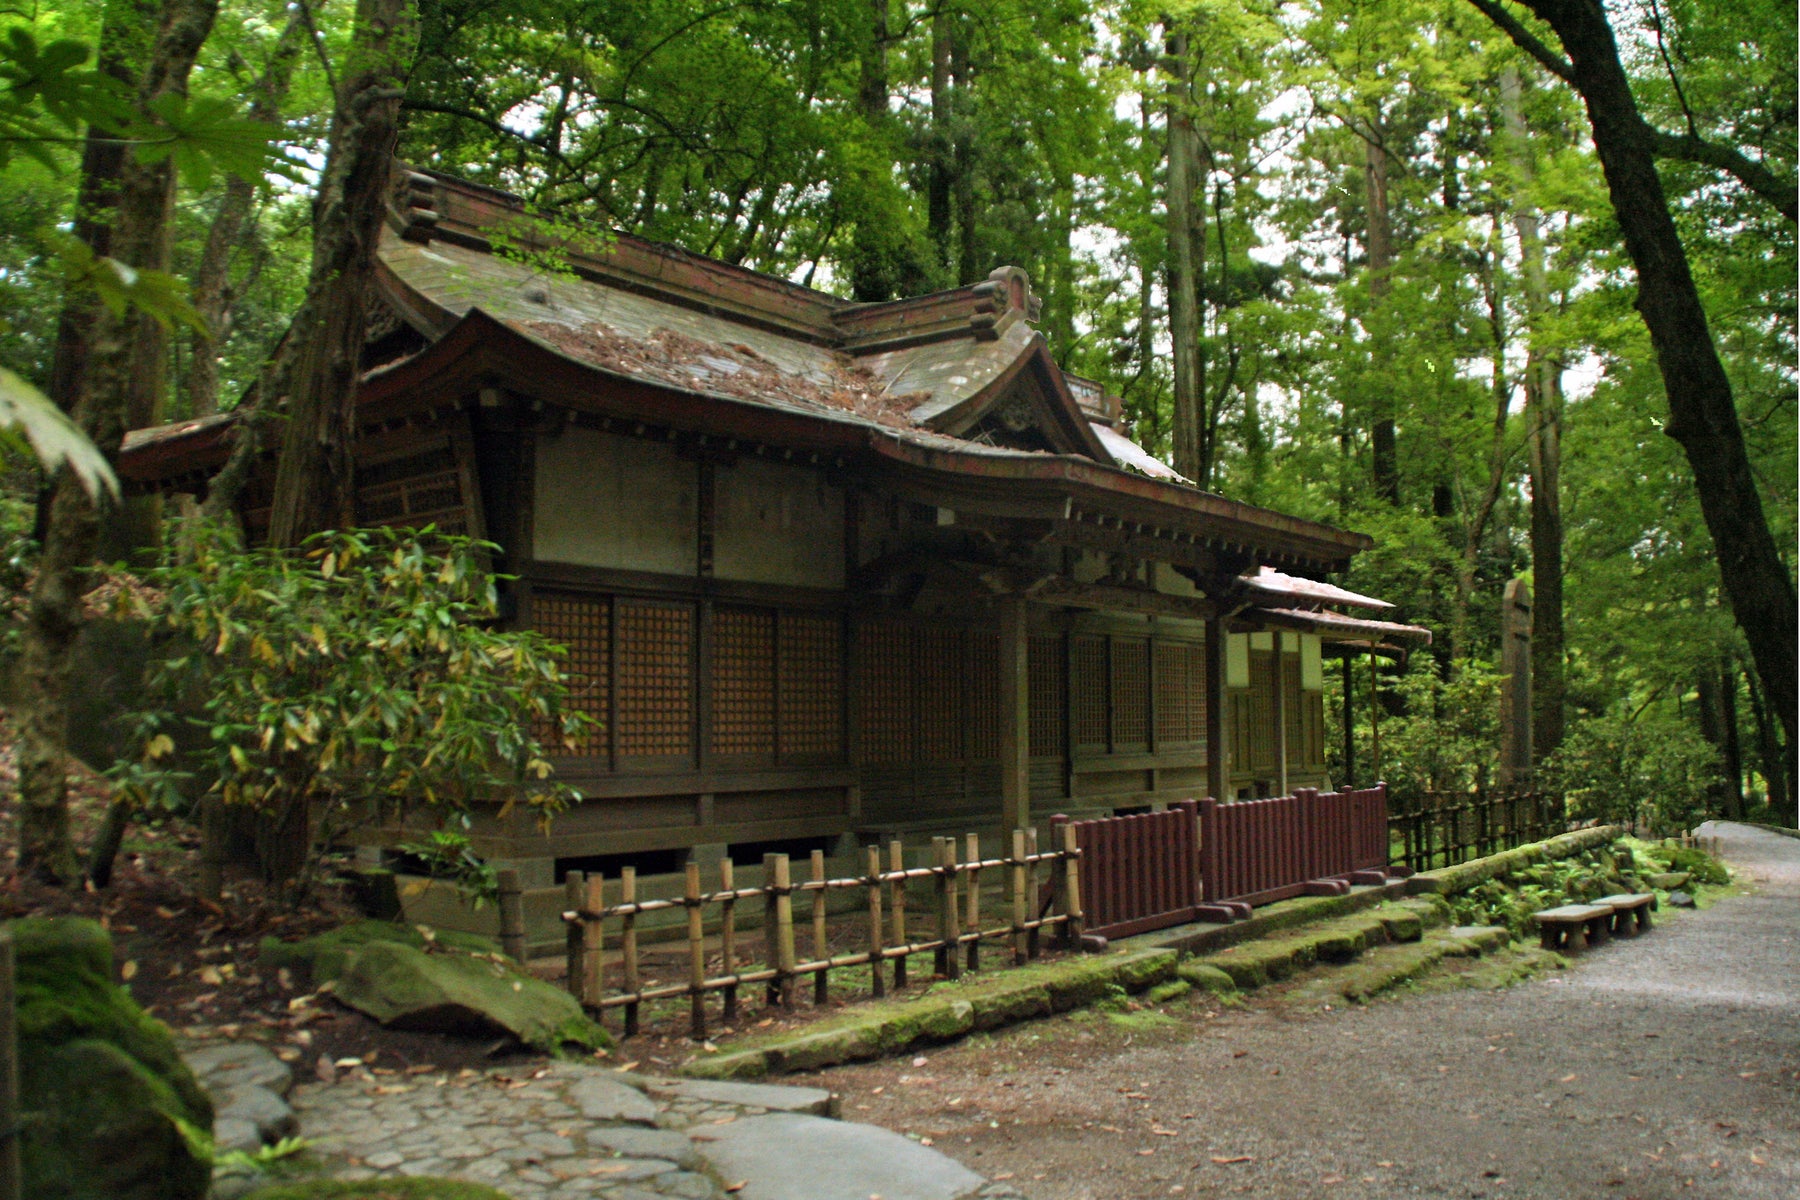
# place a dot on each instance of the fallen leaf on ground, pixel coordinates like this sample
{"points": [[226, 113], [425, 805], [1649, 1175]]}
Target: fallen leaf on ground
{"points": [[1569, 1078], [1226, 1160]]}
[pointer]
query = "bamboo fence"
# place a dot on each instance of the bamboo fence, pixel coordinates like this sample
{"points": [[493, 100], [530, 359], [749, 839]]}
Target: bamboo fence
{"points": [[606, 964]]}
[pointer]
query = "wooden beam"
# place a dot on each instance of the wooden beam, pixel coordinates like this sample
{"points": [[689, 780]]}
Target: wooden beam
{"points": [[1112, 598], [1218, 775], [1015, 714]]}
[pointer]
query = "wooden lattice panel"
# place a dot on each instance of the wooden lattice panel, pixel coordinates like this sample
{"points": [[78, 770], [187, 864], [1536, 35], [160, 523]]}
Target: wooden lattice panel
{"points": [[1180, 693], [1087, 691], [983, 676], [885, 652], [1262, 711], [1131, 691], [656, 662], [743, 682], [811, 657], [583, 624], [939, 674], [1045, 668], [1291, 699]]}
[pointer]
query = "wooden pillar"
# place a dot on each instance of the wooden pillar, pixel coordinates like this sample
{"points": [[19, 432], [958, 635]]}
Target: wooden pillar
{"points": [[1281, 725], [1218, 769], [1015, 714]]}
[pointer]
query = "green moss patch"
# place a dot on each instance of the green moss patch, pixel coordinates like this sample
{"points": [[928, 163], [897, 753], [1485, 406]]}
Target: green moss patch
{"points": [[109, 1110], [324, 957]]}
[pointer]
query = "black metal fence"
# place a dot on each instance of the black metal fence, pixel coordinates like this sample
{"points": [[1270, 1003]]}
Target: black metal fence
{"points": [[1441, 829]]}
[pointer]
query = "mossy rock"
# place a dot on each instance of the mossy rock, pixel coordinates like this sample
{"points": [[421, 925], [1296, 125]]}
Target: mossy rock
{"points": [[109, 1110], [1401, 925], [1172, 989], [1207, 978], [450, 992], [412, 1188], [323, 958]]}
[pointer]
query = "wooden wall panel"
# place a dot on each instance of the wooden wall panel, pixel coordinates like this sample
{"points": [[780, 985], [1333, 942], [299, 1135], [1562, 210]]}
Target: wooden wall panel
{"points": [[1130, 694], [1044, 666], [811, 677], [656, 680], [1180, 694], [1088, 688], [743, 683], [583, 623]]}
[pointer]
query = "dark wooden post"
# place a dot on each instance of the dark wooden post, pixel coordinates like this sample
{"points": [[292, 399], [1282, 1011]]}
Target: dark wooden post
{"points": [[972, 905], [696, 932], [628, 946], [573, 886], [512, 915], [593, 938], [897, 906], [821, 945], [949, 958], [877, 980], [1071, 888], [1218, 770], [1281, 706], [728, 935], [1015, 715]]}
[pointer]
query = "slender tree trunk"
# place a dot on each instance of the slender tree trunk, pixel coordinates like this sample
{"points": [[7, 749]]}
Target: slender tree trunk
{"points": [[1184, 281], [941, 182], [1476, 529], [969, 267], [53, 616], [1733, 746], [1383, 438], [314, 485], [1543, 424], [213, 297], [1702, 412], [1769, 756]]}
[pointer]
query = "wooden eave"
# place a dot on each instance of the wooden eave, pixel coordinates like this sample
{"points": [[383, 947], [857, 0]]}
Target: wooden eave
{"points": [[1055, 402]]}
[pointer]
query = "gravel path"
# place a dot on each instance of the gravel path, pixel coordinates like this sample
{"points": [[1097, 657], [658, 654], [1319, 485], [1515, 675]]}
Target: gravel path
{"points": [[1662, 1066]]}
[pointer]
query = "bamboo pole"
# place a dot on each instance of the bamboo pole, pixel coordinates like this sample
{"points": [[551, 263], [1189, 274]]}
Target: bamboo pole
{"points": [[1031, 888], [1016, 880], [628, 946], [593, 938], [512, 915], [897, 905], [696, 932], [782, 889], [728, 935], [949, 961], [572, 890], [972, 901], [821, 946], [877, 978], [1071, 889]]}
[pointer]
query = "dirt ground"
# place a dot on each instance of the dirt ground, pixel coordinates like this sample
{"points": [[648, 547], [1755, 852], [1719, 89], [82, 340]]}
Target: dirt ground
{"points": [[1665, 1066]]}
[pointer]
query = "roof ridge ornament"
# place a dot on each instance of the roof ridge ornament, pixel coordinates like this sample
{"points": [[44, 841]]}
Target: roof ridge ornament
{"points": [[416, 205]]}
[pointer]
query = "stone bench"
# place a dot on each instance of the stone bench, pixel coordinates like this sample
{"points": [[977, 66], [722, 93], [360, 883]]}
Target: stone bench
{"points": [[1574, 927], [1631, 912]]}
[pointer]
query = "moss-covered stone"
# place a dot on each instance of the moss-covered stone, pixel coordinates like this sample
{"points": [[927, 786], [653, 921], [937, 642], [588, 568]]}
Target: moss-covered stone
{"points": [[461, 993], [109, 1110], [1168, 990], [1207, 978], [323, 958], [1449, 880], [1012, 1006], [1401, 925]]}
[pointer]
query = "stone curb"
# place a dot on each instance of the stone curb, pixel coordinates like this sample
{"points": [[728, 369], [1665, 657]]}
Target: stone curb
{"points": [[1464, 876], [887, 1027]]}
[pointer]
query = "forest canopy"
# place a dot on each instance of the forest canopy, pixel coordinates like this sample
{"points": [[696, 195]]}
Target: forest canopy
{"points": [[1367, 261]]}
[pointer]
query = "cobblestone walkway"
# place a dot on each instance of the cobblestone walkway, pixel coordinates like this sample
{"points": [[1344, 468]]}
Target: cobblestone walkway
{"points": [[579, 1131]]}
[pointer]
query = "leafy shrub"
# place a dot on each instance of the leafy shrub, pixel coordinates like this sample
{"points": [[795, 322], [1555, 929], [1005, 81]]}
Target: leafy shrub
{"points": [[1448, 738], [1634, 769], [354, 678]]}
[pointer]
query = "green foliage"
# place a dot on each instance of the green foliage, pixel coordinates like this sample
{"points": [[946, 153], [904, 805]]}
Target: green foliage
{"points": [[1447, 738], [1634, 768], [359, 676], [448, 854]]}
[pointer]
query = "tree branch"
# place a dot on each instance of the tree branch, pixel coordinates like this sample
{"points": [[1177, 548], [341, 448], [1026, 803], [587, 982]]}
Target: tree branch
{"points": [[1688, 147], [1526, 40]]}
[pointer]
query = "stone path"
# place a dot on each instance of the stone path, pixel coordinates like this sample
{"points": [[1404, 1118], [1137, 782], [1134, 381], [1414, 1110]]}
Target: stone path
{"points": [[579, 1131]]}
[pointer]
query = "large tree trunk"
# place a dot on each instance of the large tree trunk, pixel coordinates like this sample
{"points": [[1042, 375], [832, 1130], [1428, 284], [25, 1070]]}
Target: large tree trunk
{"points": [[1184, 279], [1543, 423], [1383, 436], [1702, 413], [314, 485], [53, 617], [213, 297]]}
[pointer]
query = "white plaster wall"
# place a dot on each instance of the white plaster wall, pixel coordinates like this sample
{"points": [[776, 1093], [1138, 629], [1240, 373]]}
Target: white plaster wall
{"points": [[610, 501], [778, 524]]}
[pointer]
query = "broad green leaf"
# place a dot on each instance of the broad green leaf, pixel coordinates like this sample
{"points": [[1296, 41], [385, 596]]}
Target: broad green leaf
{"points": [[53, 436]]}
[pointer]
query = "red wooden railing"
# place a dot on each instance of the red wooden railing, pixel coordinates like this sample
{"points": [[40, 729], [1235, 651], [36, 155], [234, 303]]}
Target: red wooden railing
{"points": [[1260, 851], [1138, 872]]}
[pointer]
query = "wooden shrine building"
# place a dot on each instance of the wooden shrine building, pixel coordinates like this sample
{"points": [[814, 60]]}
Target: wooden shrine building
{"points": [[824, 568]]}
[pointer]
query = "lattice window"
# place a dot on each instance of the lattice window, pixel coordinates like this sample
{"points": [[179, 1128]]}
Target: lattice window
{"points": [[812, 685], [1243, 740], [1131, 691], [886, 656], [983, 675], [743, 682], [1312, 710], [939, 671], [1292, 701], [1180, 693], [1045, 667], [1262, 711], [1087, 691], [583, 624], [656, 654]]}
